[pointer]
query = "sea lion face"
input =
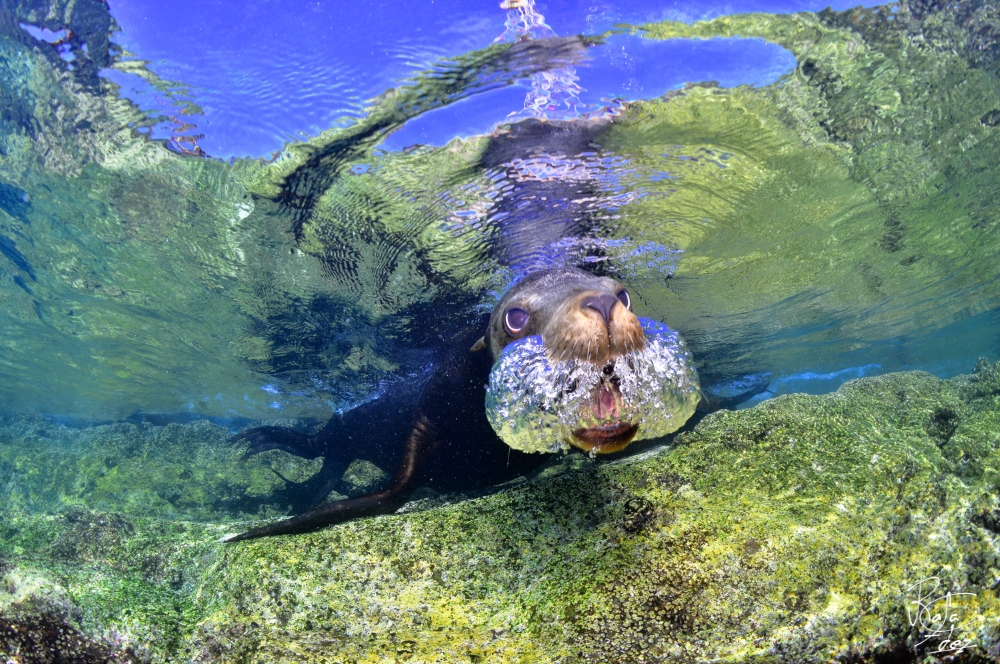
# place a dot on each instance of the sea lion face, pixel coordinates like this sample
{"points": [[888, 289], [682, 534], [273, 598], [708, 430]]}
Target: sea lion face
{"points": [[579, 317]]}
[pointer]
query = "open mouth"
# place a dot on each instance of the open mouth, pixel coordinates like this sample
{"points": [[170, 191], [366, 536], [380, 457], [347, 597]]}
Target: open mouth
{"points": [[539, 405], [609, 437], [605, 438]]}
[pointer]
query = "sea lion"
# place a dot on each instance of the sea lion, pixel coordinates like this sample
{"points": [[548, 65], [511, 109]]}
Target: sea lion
{"points": [[436, 432]]}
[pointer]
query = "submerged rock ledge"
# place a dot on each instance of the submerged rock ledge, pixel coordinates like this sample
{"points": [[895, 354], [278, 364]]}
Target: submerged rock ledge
{"points": [[795, 531]]}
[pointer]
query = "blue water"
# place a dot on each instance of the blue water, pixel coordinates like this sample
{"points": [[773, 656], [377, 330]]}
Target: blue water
{"points": [[627, 67], [226, 284], [266, 73]]}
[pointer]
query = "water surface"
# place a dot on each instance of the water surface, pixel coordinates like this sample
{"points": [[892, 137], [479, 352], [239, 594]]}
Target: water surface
{"points": [[822, 208]]}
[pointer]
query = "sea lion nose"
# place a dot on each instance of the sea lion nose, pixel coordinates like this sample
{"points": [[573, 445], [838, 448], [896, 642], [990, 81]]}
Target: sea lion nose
{"points": [[602, 304]]}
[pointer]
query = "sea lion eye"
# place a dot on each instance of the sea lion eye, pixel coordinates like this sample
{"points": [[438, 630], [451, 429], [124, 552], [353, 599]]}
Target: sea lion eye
{"points": [[514, 320], [624, 298]]}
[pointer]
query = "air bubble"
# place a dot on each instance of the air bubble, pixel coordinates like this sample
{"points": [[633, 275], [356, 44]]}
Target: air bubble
{"points": [[531, 410]]}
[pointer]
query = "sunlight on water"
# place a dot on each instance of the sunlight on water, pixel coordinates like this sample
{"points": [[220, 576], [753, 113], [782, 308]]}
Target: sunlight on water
{"points": [[790, 228], [554, 94]]}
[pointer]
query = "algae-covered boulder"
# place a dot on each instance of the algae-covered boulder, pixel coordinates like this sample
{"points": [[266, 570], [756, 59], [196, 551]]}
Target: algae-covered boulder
{"points": [[846, 211], [808, 528]]}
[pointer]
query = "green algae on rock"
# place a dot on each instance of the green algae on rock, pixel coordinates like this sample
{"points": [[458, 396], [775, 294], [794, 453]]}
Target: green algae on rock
{"points": [[844, 170], [796, 531], [187, 472]]}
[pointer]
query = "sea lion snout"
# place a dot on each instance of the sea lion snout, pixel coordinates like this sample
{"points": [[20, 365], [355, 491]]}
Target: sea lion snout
{"points": [[592, 326], [601, 304], [580, 317], [574, 366]]}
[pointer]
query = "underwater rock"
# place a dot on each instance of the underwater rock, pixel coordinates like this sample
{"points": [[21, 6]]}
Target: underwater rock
{"points": [[173, 471], [362, 477], [808, 528]]}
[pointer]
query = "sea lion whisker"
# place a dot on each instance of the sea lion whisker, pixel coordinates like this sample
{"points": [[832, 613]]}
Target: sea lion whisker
{"points": [[630, 341], [561, 356], [554, 349]]}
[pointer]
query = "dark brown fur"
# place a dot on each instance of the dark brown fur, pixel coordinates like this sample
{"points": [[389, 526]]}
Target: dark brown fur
{"points": [[436, 433]]}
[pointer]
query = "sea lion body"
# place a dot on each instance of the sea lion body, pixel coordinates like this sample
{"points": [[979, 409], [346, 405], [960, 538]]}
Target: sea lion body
{"points": [[436, 433], [467, 454]]}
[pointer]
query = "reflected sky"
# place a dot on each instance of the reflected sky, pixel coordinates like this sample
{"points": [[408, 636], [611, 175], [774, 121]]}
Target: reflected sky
{"points": [[626, 67], [266, 73], [770, 225]]}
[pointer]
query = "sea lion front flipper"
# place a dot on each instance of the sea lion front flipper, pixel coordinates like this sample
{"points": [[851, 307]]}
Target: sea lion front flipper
{"points": [[419, 444], [298, 497], [262, 439]]}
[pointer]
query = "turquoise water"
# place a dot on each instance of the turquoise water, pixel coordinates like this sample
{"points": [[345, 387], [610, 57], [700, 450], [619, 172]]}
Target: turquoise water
{"points": [[826, 211], [220, 216], [819, 225]]}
